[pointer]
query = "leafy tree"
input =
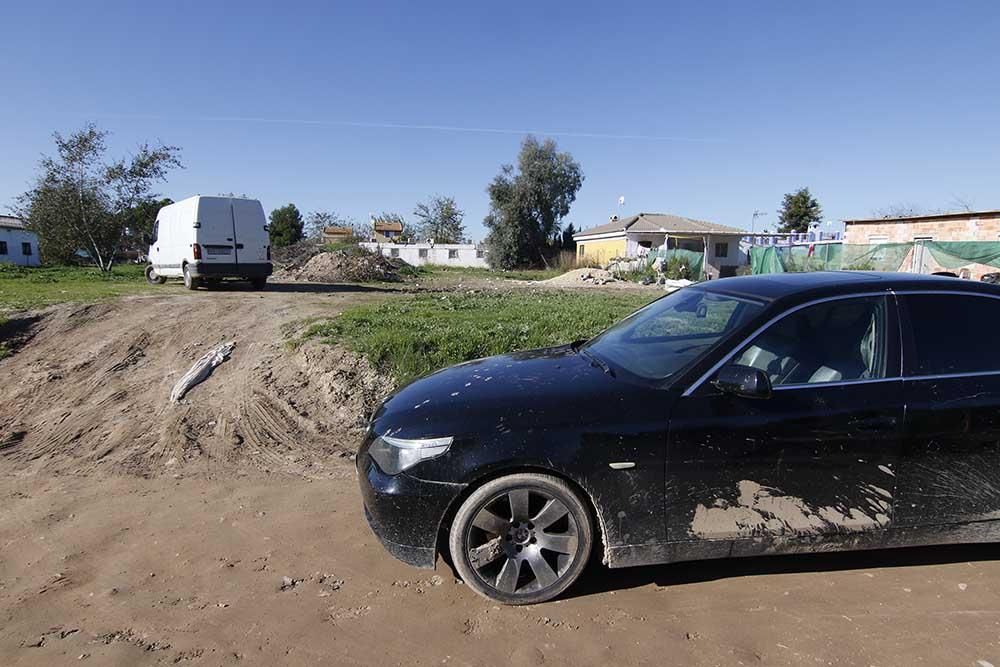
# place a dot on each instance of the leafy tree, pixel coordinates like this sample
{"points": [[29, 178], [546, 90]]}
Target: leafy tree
{"points": [[526, 206], [80, 202], [440, 219], [286, 226], [567, 238], [139, 224], [799, 210]]}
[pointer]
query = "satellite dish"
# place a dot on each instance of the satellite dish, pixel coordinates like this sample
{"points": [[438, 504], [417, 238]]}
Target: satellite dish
{"points": [[621, 201]]}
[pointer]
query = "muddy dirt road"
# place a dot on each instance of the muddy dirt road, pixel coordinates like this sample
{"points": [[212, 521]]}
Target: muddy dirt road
{"points": [[228, 529]]}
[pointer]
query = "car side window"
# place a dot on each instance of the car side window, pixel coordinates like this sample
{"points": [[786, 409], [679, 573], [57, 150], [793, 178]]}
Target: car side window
{"points": [[833, 341], [952, 334]]}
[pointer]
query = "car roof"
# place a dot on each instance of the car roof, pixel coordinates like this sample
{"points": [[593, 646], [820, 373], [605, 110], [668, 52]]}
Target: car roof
{"points": [[818, 284]]}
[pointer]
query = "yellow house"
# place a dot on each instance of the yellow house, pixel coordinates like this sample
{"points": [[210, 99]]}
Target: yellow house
{"points": [[637, 234]]}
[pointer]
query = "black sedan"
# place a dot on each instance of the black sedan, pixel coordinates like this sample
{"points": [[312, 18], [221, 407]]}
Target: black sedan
{"points": [[744, 416]]}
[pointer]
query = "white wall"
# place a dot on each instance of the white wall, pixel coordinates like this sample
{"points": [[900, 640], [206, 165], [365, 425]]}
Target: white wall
{"points": [[439, 253], [14, 238]]}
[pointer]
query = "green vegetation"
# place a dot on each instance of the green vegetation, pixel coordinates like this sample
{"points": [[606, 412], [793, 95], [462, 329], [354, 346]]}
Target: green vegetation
{"points": [[436, 270], [24, 288], [409, 338]]}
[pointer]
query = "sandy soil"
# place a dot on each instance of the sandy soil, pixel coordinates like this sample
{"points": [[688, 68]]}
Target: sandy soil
{"points": [[228, 529]]}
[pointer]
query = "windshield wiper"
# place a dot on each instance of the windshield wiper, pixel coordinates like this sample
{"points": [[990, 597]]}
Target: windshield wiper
{"points": [[597, 361]]}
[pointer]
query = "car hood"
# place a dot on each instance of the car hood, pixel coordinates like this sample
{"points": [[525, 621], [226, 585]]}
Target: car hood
{"points": [[526, 390]]}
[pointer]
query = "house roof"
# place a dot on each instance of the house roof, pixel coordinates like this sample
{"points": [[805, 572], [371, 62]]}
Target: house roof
{"points": [[388, 226], [955, 215], [338, 230], [10, 222], [660, 222]]}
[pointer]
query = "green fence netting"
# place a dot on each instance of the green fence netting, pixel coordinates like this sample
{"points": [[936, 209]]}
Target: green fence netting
{"points": [[874, 257], [956, 254], [695, 260]]}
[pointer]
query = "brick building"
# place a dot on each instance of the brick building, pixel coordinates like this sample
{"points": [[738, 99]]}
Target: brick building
{"points": [[963, 226]]}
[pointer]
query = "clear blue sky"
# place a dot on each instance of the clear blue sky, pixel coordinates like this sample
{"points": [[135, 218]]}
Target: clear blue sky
{"points": [[708, 110]]}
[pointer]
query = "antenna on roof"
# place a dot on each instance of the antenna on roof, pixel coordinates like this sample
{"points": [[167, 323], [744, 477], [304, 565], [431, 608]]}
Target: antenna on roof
{"points": [[621, 200]]}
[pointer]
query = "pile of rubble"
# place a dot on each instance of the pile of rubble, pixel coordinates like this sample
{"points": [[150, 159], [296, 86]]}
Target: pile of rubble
{"points": [[587, 276], [296, 255], [354, 265]]}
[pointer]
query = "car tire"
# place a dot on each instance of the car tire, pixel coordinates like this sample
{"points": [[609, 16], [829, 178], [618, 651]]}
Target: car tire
{"points": [[258, 283], [190, 282], [152, 278], [522, 539]]}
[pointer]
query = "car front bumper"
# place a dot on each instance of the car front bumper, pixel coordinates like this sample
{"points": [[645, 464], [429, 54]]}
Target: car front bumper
{"points": [[404, 512], [230, 270]]}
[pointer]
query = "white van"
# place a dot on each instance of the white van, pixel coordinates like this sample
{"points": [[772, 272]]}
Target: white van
{"points": [[204, 239]]}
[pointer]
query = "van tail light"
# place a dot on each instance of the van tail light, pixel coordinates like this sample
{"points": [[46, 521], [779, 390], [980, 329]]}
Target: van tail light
{"points": [[269, 253], [196, 249]]}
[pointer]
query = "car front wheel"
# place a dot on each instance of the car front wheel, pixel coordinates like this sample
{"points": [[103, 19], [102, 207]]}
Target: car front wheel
{"points": [[522, 539]]}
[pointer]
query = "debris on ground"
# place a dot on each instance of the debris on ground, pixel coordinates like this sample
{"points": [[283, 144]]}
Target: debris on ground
{"points": [[201, 370], [349, 265], [296, 255], [585, 276]]}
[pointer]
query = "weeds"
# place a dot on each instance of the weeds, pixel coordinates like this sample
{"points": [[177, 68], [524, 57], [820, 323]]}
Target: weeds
{"points": [[412, 337]]}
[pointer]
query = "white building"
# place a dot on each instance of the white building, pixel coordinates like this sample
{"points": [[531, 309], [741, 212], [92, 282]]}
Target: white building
{"points": [[17, 244], [444, 254]]}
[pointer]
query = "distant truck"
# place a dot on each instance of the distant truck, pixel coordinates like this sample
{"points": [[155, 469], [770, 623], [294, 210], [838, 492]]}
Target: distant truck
{"points": [[206, 239]]}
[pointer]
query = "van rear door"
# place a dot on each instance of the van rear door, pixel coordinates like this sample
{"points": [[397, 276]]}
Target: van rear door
{"points": [[250, 229], [215, 230]]}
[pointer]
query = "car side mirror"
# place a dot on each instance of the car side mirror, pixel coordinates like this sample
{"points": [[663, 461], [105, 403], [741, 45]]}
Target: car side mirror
{"points": [[744, 381]]}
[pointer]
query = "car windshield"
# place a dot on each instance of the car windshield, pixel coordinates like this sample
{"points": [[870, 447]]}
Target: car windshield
{"points": [[657, 341]]}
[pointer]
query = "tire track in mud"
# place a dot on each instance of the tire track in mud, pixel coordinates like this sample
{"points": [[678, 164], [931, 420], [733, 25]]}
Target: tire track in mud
{"points": [[96, 380]]}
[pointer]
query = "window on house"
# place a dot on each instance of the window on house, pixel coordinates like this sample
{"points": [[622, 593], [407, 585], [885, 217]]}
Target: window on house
{"points": [[3, 247], [422, 253], [579, 250], [26, 248], [722, 250], [876, 240], [394, 252], [480, 253], [452, 254]]}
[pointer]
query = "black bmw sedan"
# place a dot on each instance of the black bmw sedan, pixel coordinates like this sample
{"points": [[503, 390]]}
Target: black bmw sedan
{"points": [[744, 416]]}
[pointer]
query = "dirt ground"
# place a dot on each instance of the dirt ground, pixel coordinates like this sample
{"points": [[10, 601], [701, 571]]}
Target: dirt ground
{"points": [[228, 528]]}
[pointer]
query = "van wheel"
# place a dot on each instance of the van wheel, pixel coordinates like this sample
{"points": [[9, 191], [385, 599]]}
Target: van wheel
{"points": [[152, 278], [190, 281], [258, 283], [521, 539]]}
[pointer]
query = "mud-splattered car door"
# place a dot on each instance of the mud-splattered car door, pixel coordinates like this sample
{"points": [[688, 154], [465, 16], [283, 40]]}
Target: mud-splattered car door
{"points": [[951, 469], [812, 463]]}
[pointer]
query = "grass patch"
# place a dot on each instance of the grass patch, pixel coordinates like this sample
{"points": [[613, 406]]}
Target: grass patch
{"points": [[412, 337], [25, 288], [437, 270]]}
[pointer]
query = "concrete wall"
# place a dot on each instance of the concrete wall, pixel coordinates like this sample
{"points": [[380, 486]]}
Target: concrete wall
{"points": [[601, 250], [972, 228], [443, 254], [14, 238]]}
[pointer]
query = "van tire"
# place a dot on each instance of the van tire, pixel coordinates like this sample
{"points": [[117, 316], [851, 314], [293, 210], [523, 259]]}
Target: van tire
{"points": [[152, 278], [258, 283], [190, 282]]}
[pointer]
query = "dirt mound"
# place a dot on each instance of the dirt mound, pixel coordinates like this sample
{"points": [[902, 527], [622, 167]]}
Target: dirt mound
{"points": [[93, 386], [581, 277], [354, 265], [296, 255]]}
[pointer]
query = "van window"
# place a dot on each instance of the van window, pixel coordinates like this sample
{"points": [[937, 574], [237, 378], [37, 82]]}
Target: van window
{"points": [[951, 334], [156, 232], [835, 341]]}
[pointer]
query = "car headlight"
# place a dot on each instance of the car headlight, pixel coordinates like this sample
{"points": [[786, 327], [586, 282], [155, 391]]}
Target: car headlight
{"points": [[394, 455]]}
